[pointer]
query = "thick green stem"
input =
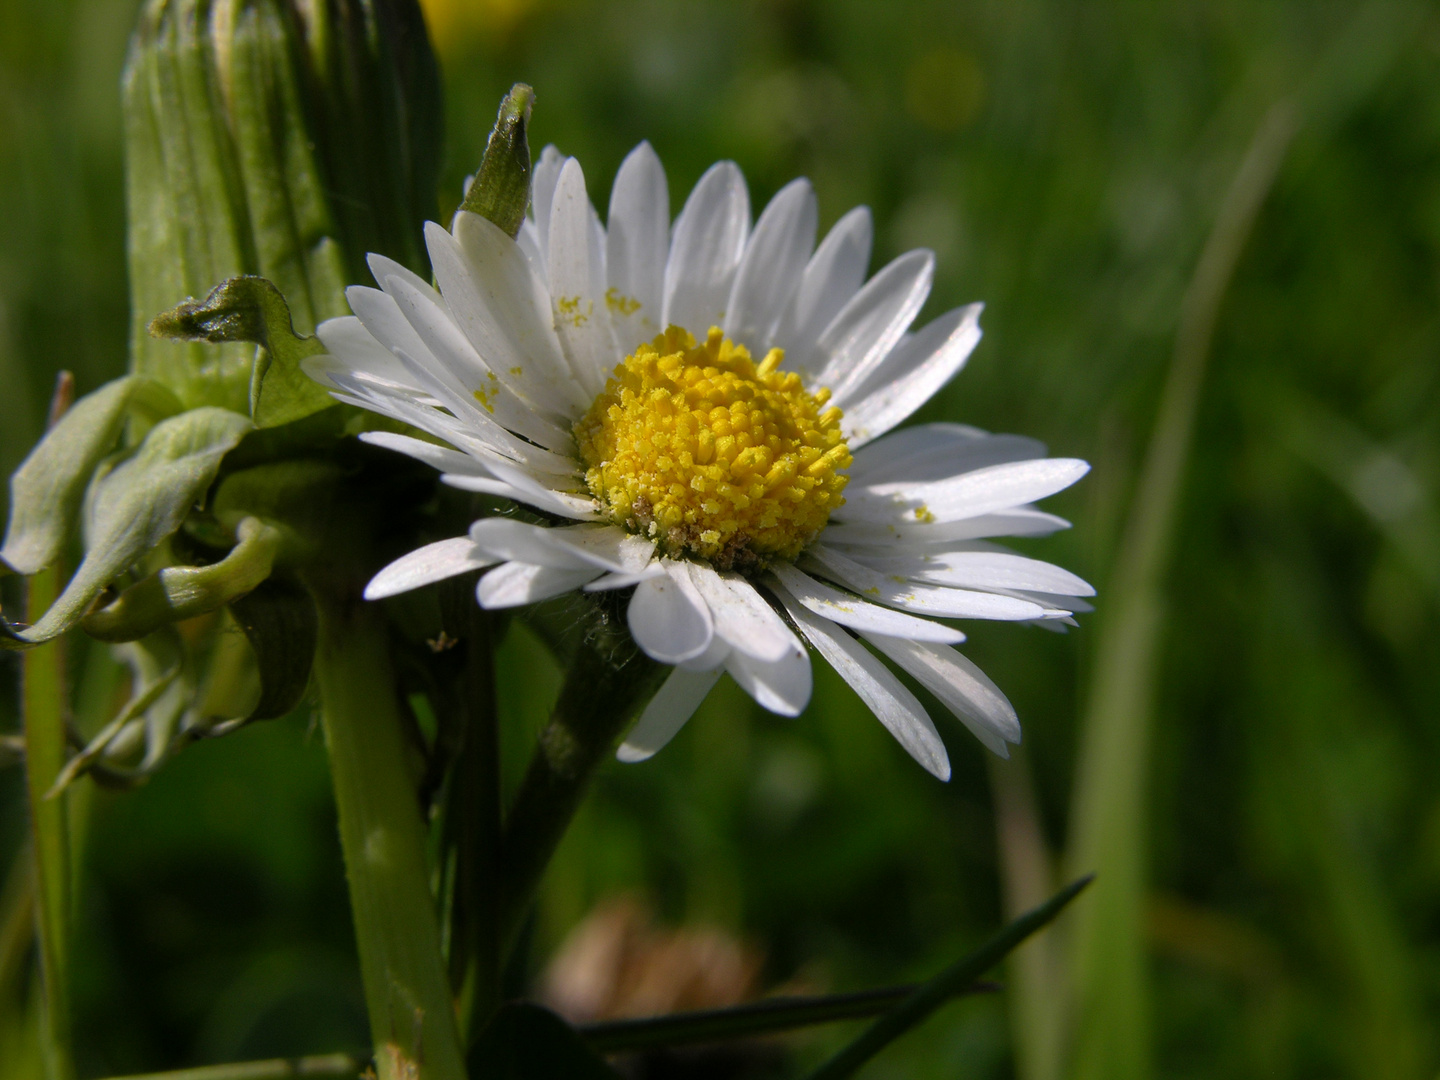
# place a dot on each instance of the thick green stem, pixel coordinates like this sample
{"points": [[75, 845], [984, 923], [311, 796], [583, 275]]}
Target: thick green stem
{"points": [[412, 1017], [600, 695], [43, 697]]}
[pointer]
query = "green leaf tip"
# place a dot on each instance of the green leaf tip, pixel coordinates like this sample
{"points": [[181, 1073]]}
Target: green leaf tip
{"points": [[251, 309], [501, 188], [954, 980]]}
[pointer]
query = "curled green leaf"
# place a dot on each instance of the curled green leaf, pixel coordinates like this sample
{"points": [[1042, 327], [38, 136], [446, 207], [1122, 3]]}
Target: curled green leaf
{"points": [[501, 188], [140, 503], [251, 309], [46, 491], [182, 592], [280, 622]]}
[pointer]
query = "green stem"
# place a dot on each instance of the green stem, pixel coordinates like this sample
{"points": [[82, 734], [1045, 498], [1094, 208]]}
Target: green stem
{"points": [[600, 694], [43, 701], [474, 816], [412, 1018]]}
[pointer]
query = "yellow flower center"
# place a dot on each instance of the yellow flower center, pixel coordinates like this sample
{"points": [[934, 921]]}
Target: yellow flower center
{"points": [[711, 455]]}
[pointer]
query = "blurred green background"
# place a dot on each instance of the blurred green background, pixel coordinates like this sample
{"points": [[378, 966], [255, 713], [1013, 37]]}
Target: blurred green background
{"points": [[1066, 161]]}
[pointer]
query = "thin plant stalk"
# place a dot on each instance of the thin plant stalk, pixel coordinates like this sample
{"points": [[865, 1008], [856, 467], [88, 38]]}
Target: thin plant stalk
{"points": [[407, 994], [1109, 809], [598, 698], [43, 702]]}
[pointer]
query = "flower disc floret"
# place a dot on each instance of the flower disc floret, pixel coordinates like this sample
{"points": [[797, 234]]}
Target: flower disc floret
{"points": [[711, 455]]}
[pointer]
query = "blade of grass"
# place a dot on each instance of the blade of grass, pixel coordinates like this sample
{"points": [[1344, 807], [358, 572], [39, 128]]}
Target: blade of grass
{"points": [[1108, 815], [929, 996], [746, 1021], [1028, 871]]}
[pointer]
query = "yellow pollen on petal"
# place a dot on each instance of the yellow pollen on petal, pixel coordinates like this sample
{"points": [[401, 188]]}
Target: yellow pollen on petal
{"points": [[711, 455]]}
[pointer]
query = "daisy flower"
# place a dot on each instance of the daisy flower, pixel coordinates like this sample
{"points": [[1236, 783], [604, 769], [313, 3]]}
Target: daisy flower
{"points": [[700, 410]]}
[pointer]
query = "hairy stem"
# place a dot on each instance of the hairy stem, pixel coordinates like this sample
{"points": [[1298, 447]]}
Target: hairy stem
{"points": [[412, 1018]]}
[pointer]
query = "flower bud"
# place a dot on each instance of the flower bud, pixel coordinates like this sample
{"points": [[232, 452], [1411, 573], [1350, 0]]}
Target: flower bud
{"points": [[282, 138]]}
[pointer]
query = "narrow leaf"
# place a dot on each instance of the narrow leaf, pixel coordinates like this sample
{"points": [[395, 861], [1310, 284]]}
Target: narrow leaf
{"points": [[252, 309], [527, 1042], [747, 1021], [501, 189], [953, 980], [142, 502]]}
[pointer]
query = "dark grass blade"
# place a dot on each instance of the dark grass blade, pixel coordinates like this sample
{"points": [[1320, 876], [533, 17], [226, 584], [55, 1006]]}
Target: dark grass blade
{"points": [[745, 1021], [929, 996]]}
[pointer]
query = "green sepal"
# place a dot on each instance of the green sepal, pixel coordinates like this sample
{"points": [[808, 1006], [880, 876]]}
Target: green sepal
{"points": [[47, 489], [527, 1042], [182, 592], [501, 188], [280, 623], [250, 308], [137, 505]]}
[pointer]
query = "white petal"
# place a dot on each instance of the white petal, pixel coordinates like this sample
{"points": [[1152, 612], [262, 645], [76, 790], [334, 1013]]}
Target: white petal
{"points": [[929, 599], [911, 375], [858, 614], [517, 583], [835, 273], [520, 541], [528, 241], [983, 570], [606, 546], [356, 349], [636, 247], [439, 457], [624, 581], [669, 619], [470, 376], [981, 491], [742, 617], [380, 315], [542, 192], [504, 310], [894, 706], [475, 421], [868, 327], [782, 686], [433, 562], [915, 536], [936, 451], [960, 686], [530, 490], [384, 268], [667, 712], [577, 283], [772, 266], [705, 251]]}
